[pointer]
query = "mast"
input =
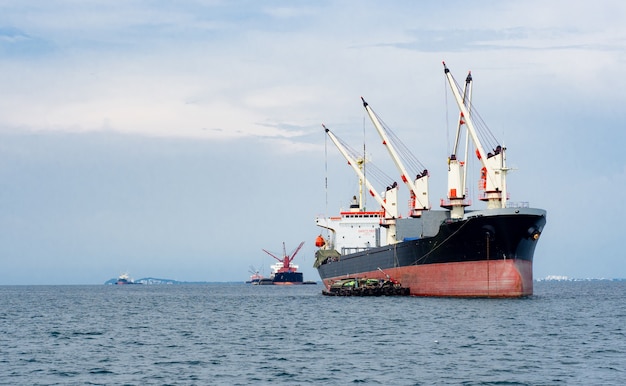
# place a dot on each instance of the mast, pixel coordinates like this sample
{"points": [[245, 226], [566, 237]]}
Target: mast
{"points": [[469, 86], [493, 178], [457, 172], [418, 188], [388, 203]]}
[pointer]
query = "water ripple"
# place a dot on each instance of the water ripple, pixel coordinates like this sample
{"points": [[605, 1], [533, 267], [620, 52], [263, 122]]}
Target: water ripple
{"points": [[568, 333]]}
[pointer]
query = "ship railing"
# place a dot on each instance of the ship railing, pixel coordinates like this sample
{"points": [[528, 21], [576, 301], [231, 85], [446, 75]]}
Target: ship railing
{"points": [[484, 196], [519, 204], [349, 250], [445, 202]]}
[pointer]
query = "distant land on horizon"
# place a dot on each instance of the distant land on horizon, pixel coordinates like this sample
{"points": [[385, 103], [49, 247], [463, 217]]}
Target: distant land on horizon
{"points": [[158, 281], [566, 278]]}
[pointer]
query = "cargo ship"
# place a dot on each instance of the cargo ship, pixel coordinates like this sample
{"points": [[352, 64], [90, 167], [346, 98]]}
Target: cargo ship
{"points": [[450, 252], [284, 272]]}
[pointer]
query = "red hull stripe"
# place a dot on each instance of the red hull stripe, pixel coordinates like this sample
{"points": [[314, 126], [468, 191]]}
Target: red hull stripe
{"points": [[496, 278]]}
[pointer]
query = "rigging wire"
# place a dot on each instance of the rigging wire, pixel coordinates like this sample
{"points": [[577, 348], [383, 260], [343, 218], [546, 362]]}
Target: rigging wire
{"points": [[374, 172], [439, 244], [484, 134], [408, 158]]}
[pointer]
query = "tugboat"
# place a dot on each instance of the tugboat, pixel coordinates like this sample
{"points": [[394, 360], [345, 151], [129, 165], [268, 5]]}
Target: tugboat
{"points": [[284, 272]]}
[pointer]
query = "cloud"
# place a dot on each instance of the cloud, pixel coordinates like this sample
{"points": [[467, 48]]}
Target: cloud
{"points": [[206, 70], [15, 43], [253, 82]]}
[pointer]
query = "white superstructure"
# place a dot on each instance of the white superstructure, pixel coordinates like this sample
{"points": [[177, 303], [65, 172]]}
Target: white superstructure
{"points": [[353, 231]]}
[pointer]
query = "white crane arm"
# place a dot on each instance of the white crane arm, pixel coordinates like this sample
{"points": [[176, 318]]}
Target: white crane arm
{"points": [[389, 207]]}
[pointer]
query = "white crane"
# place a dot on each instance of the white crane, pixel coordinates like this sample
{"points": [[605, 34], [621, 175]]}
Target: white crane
{"points": [[418, 188], [493, 174], [389, 203], [457, 171]]}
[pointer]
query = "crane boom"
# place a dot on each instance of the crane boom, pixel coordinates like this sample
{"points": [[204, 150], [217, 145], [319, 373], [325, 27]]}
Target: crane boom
{"points": [[271, 254], [418, 187], [390, 208], [493, 164], [457, 170], [467, 101], [297, 250], [389, 203]]}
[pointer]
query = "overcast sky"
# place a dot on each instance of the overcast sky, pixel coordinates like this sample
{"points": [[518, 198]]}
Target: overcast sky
{"points": [[178, 141]]}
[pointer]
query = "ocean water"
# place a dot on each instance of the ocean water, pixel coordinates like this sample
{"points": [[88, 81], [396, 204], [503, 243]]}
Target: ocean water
{"points": [[237, 334]]}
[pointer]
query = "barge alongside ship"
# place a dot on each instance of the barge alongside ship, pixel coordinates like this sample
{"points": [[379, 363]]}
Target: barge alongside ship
{"points": [[451, 252], [366, 287]]}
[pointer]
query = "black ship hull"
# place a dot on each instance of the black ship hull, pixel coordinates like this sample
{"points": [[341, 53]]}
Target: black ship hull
{"points": [[286, 278], [489, 253]]}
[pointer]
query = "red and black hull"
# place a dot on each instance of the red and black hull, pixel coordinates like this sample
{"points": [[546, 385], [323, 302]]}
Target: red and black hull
{"points": [[288, 278], [487, 254]]}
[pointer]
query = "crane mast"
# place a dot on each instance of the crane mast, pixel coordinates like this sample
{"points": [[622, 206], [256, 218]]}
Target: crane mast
{"points": [[388, 203], [457, 171], [493, 178], [287, 259], [418, 188]]}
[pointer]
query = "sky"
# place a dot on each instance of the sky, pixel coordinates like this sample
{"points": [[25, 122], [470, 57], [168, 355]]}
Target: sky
{"points": [[179, 140]]}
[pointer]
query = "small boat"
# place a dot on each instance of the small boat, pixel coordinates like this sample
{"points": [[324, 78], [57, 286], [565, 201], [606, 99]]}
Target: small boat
{"points": [[255, 277], [124, 279]]}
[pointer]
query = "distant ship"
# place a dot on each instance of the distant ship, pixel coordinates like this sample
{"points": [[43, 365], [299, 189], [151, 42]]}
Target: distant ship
{"points": [[124, 279], [256, 277], [452, 252], [284, 272]]}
